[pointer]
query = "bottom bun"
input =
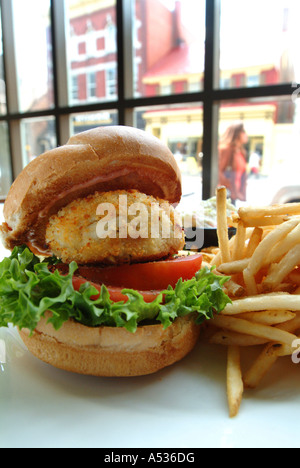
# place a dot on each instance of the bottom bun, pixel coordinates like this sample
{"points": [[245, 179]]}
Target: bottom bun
{"points": [[112, 352]]}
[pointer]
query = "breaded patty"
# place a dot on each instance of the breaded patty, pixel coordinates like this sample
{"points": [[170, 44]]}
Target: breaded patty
{"points": [[115, 227]]}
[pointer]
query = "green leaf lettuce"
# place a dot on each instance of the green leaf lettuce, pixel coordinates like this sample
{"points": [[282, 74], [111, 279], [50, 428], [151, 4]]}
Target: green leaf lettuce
{"points": [[29, 288]]}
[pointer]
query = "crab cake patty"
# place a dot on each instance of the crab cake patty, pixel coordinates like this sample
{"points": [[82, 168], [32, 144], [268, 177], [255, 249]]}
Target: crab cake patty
{"points": [[94, 230]]}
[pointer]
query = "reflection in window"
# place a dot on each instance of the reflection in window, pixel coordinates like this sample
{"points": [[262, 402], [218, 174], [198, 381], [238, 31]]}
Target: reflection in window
{"points": [[92, 51], [253, 80], [111, 82], [33, 35], [168, 42], [262, 47], [74, 88], [92, 85], [89, 120], [180, 128], [91, 40], [271, 127], [5, 166], [3, 108], [110, 36], [39, 137]]}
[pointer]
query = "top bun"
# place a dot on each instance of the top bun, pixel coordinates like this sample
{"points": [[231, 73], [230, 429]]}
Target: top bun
{"points": [[102, 159]]}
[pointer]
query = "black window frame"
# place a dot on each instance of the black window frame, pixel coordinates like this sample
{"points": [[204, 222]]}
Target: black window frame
{"points": [[210, 96]]}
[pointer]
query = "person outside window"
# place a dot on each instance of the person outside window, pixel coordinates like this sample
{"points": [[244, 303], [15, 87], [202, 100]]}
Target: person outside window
{"points": [[254, 164], [233, 161]]}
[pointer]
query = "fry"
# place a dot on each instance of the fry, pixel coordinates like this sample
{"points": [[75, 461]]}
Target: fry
{"points": [[282, 269], [257, 259], [254, 241], [273, 210], [255, 329], [265, 221], [281, 350], [285, 245], [263, 261], [286, 350], [260, 367], [218, 258], [222, 229], [292, 325], [235, 386], [271, 301], [234, 289], [234, 267], [239, 245], [227, 337], [269, 317], [278, 349]]}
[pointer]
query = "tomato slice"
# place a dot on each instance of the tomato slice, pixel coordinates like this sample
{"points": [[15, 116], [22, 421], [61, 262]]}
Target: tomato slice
{"points": [[145, 276], [114, 291]]}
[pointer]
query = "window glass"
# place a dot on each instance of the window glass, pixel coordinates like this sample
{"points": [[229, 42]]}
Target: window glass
{"points": [[34, 65], [180, 128], [261, 164], [168, 43], [92, 51], [5, 165], [259, 43], [88, 120], [3, 108], [38, 136]]}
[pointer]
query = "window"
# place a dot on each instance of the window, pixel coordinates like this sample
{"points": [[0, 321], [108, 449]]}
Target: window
{"points": [[82, 122], [168, 44], [5, 166], [180, 69], [181, 128], [33, 46], [3, 108], [259, 43], [91, 47], [39, 137], [111, 83], [74, 88], [270, 126], [110, 36], [91, 41], [91, 85]]}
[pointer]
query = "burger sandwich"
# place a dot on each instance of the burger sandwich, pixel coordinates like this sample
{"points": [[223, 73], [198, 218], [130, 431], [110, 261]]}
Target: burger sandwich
{"points": [[96, 283]]}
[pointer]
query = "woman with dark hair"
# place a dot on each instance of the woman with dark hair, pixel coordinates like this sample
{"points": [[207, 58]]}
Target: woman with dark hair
{"points": [[233, 161]]}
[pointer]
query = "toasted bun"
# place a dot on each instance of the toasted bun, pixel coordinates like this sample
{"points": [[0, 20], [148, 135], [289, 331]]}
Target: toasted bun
{"points": [[112, 352], [103, 159]]}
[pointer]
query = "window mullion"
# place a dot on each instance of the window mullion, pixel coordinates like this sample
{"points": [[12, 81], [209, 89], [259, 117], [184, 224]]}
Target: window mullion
{"points": [[17, 138], [210, 108], [9, 50], [128, 19], [120, 58], [59, 22], [12, 88], [125, 59]]}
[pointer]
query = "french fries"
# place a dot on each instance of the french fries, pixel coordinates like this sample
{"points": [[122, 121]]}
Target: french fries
{"points": [[257, 260], [269, 317], [222, 226], [235, 385], [227, 337], [263, 262], [261, 366], [256, 329]]}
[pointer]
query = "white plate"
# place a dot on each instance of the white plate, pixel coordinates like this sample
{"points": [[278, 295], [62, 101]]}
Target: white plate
{"points": [[183, 406]]}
